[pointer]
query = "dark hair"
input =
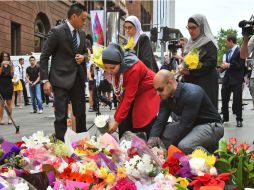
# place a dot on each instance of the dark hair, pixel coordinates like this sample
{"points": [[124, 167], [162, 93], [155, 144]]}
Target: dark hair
{"points": [[75, 8], [192, 21], [31, 57], [2, 56], [21, 59], [231, 38]]}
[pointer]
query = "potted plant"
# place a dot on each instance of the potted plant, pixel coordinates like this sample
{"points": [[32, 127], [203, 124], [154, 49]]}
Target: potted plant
{"points": [[237, 159]]}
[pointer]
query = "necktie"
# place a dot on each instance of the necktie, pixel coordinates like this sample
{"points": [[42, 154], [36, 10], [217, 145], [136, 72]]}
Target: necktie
{"points": [[229, 54], [22, 73], [74, 40]]}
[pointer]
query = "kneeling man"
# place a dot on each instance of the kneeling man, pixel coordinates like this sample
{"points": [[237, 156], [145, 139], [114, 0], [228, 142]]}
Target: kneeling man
{"points": [[199, 124]]}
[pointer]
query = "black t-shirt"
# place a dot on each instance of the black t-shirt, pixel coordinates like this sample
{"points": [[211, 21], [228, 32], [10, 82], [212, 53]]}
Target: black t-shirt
{"points": [[33, 73]]}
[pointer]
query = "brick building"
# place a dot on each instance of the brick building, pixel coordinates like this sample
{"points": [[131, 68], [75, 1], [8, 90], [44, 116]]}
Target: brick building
{"points": [[25, 24], [143, 10]]}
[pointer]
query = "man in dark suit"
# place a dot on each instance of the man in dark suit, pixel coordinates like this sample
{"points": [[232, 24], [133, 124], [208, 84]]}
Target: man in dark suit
{"points": [[233, 80], [66, 45]]}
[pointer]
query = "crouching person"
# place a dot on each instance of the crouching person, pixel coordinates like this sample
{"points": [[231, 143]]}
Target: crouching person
{"points": [[200, 124]]}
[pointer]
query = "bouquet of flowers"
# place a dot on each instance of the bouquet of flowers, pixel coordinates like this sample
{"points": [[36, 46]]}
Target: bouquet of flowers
{"points": [[97, 55], [191, 60], [141, 167], [237, 159], [130, 43]]}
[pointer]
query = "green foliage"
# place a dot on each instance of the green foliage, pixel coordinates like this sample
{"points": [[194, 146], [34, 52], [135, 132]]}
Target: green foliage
{"points": [[221, 39]]}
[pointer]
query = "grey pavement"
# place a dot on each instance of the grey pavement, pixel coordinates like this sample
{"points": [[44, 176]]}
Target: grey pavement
{"points": [[30, 123]]}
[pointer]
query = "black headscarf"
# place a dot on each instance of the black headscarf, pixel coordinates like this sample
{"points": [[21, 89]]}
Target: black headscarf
{"points": [[115, 55]]}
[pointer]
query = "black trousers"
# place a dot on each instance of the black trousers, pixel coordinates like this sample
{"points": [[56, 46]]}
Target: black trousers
{"points": [[237, 100], [126, 125], [26, 101], [61, 99]]}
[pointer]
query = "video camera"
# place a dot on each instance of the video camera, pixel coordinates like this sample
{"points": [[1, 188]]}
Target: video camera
{"points": [[247, 26], [173, 46]]}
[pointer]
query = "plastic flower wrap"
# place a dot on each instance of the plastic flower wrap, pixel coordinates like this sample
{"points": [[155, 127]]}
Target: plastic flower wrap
{"points": [[97, 55], [130, 43], [236, 158], [191, 60]]}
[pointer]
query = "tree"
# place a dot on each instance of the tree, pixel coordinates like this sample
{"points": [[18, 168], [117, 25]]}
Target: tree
{"points": [[221, 39]]}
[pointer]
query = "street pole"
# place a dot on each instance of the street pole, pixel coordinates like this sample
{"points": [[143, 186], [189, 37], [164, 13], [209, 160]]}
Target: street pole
{"points": [[105, 23]]}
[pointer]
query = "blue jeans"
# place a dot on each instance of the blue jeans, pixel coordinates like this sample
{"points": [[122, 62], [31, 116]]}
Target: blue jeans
{"points": [[35, 92]]}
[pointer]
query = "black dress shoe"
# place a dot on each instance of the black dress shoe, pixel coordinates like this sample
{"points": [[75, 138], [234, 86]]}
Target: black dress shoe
{"points": [[239, 124]]}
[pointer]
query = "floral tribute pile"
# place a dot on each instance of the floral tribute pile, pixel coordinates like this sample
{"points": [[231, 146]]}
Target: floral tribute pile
{"points": [[97, 163]]}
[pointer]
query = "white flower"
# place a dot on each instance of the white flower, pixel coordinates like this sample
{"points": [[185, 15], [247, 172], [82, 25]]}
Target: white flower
{"points": [[21, 186], [49, 188], [213, 171], [37, 138], [198, 166]]}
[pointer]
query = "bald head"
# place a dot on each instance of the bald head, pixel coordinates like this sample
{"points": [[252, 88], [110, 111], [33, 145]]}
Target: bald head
{"points": [[163, 76], [164, 83]]}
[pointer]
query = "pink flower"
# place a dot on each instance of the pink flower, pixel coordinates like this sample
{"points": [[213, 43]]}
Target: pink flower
{"points": [[124, 184], [237, 149], [252, 155], [233, 140], [245, 146], [229, 147]]}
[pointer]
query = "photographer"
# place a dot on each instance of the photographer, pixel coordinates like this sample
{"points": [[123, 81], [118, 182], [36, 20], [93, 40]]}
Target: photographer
{"points": [[172, 60], [247, 50]]}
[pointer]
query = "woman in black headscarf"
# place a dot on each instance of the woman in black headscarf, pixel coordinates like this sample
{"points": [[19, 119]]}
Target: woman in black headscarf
{"points": [[133, 85], [202, 39]]}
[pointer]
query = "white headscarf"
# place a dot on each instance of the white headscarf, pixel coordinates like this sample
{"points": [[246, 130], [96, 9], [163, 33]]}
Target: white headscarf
{"points": [[134, 20], [205, 35]]}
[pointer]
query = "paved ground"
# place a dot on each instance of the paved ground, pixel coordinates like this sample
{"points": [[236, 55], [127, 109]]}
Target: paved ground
{"points": [[30, 123]]}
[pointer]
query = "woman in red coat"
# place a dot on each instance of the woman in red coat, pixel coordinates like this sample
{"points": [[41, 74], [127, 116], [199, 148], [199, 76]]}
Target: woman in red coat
{"points": [[133, 85]]}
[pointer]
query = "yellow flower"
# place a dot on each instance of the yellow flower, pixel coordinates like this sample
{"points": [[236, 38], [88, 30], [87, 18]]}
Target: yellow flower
{"points": [[191, 60], [103, 172], [110, 178], [121, 172], [97, 55], [130, 43], [199, 153], [210, 160], [183, 181]]}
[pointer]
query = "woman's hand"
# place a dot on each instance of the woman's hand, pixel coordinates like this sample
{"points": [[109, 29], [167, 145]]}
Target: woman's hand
{"points": [[113, 127], [184, 71]]}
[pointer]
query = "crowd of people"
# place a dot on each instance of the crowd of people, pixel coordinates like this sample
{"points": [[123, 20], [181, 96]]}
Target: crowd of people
{"points": [[144, 94]]}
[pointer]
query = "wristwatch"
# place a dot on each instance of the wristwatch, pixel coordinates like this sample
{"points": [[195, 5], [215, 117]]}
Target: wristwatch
{"points": [[44, 81]]}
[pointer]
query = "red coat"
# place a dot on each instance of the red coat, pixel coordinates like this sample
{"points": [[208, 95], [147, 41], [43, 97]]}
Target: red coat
{"points": [[138, 86]]}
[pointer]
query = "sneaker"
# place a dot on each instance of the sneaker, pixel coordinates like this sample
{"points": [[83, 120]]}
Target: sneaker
{"points": [[40, 112], [33, 111], [91, 110]]}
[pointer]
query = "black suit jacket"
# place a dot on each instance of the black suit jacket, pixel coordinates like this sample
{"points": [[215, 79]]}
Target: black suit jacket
{"points": [[235, 73], [63, 68]]}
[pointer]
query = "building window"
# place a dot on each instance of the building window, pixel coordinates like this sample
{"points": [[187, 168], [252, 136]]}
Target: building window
{"points": [[15, 38], [41, 28]]}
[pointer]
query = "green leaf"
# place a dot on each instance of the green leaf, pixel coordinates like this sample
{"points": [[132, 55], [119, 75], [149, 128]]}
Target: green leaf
{"points": [[239, 174], [179, 187], [223, 165]]}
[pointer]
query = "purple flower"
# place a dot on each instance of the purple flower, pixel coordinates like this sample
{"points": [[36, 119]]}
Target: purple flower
{"points": [[185, 170]]}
